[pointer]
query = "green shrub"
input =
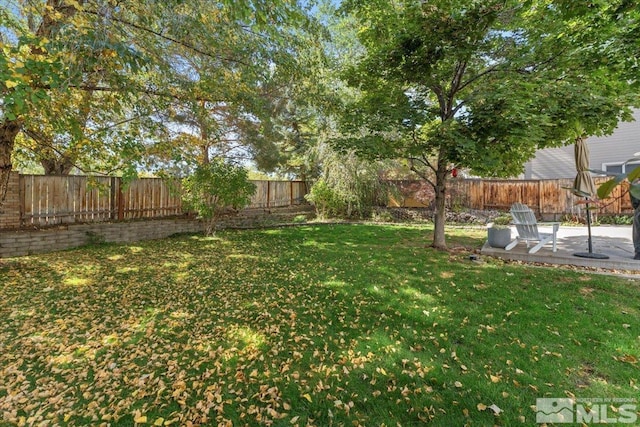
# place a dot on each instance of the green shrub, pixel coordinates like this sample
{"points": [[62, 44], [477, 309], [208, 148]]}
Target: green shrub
{"points": [[616, 219], [325, 199], [215, 186], [502, 221], [349, 186]]}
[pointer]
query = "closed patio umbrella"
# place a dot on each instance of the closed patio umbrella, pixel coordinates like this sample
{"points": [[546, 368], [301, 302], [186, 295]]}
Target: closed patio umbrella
{"points": [[584, 186], [583, 182]]}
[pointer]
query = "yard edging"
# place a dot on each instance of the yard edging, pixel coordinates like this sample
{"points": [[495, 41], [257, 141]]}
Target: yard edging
{"points": [[17, 243]]}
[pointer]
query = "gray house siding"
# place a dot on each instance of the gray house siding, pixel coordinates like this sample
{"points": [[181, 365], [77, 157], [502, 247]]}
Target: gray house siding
{"points": [[606, 153]]}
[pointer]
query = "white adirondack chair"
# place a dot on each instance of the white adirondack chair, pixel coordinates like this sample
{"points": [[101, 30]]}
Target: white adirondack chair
{"points": [[527, 227]]}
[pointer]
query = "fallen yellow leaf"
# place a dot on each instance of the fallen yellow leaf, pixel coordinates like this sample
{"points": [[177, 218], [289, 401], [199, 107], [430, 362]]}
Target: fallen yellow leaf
{"points": [[141, 419], [306, 396], [628, 358]]}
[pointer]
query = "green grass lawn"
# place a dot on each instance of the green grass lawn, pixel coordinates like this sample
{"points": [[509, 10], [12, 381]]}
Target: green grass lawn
{"points": [[315, 325]]}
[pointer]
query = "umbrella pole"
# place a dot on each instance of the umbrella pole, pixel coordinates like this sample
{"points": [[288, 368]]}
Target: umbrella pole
{"points": [[590, 254], [589, 228]]}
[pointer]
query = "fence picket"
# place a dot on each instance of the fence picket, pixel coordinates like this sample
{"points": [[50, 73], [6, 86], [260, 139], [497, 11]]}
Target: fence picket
{"points": [[549, 198], [49, 200]]}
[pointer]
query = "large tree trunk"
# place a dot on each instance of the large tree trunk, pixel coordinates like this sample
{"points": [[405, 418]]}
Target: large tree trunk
{"points": [[53, 162], [440, 215], [9, 129], [8, 132], [61, 161], [57, 166]]}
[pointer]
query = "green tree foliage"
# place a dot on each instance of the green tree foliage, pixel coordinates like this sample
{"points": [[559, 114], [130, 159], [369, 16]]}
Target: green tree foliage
{"points": [[239, 96], [325, 200], [99, 85], [348, 187], [480, 84], [633, 177], [214, 186]]}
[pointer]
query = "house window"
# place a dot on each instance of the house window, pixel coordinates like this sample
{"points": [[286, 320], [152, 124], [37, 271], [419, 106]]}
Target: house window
{"points": [[617, 168]]}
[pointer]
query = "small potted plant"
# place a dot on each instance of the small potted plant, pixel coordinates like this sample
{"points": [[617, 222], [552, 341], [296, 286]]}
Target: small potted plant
{"points": [[499, 231]]}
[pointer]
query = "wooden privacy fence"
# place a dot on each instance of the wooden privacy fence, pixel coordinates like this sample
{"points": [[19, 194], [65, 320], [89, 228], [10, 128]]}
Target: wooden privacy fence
{"points": [[272, 194], [49, 200], [549, 198]]}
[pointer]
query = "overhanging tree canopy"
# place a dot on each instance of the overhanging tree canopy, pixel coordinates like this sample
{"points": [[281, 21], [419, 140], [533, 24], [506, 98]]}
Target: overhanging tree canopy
{"points": [[480, 84], [121, 63]]}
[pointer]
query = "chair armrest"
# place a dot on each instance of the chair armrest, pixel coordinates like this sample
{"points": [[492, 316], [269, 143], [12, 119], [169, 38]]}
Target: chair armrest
{"points": [[555, 225]]}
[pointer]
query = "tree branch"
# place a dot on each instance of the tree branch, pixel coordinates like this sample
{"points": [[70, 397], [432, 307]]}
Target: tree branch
{"points": [[146, 91], [116, 124], [168, 38], [43, 143], [489, 70], [420, 173], [526, 69], [441, 100], [461, 67]]}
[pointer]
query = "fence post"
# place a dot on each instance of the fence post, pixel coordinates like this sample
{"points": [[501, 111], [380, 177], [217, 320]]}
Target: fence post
{"points": [[113, 214], [290, 193], [268, 194], [120, 200]]}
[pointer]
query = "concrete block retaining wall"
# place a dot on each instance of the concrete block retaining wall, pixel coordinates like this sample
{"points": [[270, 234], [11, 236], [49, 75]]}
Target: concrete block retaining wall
{"points": [[26, 242]]}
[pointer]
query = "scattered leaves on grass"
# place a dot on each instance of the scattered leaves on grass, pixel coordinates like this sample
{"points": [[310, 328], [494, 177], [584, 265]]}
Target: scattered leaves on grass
{"points": [[348, 325]]}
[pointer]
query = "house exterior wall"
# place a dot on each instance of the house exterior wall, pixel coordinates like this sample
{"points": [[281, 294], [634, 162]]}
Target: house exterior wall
{"points": [[605, 152]]}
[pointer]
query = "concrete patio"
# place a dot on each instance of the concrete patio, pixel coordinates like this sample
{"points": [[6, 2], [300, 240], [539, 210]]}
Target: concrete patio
{"points": [[613, 241]]}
